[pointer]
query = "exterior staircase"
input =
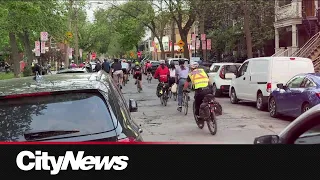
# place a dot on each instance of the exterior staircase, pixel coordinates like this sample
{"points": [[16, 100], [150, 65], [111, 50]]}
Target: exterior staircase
{"points": [[311, 49]]}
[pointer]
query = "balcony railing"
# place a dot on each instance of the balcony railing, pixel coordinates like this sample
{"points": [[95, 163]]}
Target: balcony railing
{"points": [[292, 10]]}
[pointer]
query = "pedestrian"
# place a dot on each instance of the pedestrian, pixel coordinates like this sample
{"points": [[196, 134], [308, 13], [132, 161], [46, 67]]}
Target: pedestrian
{"points": [[73, 65], [82, 65], [49, 68], [97, 67]]}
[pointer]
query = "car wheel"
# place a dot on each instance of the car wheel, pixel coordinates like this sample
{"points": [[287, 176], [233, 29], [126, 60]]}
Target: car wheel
{"points": [[215, 91], [260, 104], [273, 108], [305, 107], [233, 97]]}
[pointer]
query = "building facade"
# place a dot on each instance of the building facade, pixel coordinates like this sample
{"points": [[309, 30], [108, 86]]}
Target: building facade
{"points": [[296, 22]]}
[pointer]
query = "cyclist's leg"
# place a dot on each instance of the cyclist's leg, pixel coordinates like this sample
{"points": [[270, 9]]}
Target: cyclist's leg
{"points": [[115, 77], [198, 97], [158, 89], [121, 77], [180, 91], [140, 80]]}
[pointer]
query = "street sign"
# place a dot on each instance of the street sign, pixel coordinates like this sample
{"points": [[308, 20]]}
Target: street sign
{"points": [[203, 37], [93, 55], [37, 48], [44, 36], [139, 54], [131, 54], [208, 44], [198, 44], [180, 43], [43, 47], [181, 50], [204, 45], [69, 34], [193, 37]]}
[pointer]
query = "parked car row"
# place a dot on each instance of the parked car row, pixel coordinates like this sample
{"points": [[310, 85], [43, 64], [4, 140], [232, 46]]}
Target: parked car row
{"points": [[282, 85]]}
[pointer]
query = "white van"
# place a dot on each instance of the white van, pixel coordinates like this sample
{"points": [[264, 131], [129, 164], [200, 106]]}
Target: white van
{"points": [[258, 77]]}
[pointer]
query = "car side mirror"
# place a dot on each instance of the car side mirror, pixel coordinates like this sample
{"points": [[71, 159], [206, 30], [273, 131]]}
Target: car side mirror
{"points": [[280, 86], [133, 106], [268, 139]]}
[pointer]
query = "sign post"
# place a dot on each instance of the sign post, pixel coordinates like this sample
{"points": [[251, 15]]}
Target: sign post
{"points": [[37, 48], [209, 44], [43, 47]]}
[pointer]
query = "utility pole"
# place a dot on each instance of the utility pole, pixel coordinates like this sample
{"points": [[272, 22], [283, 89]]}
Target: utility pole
{"points": [[202, 31], [76, 38], [67, 45]]}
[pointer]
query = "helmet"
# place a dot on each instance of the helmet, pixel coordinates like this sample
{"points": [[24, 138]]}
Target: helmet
{"points": [[181, 61], [162, 61], [148, 61], [194, 65], [137, 63], [72, 61], [123, 60]]}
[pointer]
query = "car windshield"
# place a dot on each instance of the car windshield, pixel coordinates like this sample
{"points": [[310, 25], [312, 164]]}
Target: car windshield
{"points": [[84, 112], [215, 68], [231, 68]]}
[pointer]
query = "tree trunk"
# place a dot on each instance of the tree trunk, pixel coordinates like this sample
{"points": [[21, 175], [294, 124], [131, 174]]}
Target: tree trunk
{"points": [[14, 54], [162, 53], [173, 37], [76, 38], [24, 37], [184, 38], [247, 28]]}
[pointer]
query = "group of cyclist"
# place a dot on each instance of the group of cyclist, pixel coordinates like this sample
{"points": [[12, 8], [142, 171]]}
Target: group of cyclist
{"points": [[168, 75]]}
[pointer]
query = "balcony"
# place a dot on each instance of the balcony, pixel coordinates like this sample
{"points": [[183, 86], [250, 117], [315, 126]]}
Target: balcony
{"points": [[289, 11]]}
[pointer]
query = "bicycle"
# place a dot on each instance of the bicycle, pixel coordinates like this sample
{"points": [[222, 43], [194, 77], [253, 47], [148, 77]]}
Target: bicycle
{"points": [[209, 116], [185, 100], [163, 94]]}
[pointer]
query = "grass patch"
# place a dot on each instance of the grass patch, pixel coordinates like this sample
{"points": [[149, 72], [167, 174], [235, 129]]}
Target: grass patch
{"points": [[4, 76]]}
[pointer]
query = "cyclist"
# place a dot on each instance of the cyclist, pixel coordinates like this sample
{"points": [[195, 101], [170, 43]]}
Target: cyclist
{"points": [[125, 69], [137, 74], [172, 71], [200, 81], [182, 73], [148, 67], [117, 73], [162, 73]]}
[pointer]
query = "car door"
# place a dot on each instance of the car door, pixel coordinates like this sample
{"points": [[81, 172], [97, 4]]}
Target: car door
{"points": [[287, 98], [213, 71], [241, 82]]}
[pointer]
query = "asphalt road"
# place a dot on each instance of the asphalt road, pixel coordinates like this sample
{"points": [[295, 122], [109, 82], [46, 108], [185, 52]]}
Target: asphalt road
{"points": [[239, 124]]}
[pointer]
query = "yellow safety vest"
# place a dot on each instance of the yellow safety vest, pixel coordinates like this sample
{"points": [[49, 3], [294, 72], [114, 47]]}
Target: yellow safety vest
{"points": [[199, 78], [32, 65]]}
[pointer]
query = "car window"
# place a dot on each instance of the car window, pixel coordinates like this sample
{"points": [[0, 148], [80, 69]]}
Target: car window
{"points": [[311, 136], [295, 82], [215, 68], [307, 83], [231, 68], [243, 69], [85, 112]]}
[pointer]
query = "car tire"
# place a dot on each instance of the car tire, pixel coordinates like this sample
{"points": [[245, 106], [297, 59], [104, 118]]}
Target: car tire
{"points": [[215, 91], [273, 108], [233, 97], [305, 107], [259, 103]]}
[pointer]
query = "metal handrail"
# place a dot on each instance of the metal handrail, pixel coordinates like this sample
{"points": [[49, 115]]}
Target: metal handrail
{"points": [[307, 45], [277, 53]]}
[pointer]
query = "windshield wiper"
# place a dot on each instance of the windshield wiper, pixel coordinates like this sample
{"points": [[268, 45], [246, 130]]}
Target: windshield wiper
{"points": [[45, 134]]}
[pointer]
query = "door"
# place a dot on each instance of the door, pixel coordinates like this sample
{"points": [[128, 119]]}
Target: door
{"points": [[308, 8], [242, 81], [289, 98]]}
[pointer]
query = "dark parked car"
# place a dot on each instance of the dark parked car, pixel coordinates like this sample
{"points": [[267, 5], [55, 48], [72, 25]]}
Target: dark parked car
{"points": [[155, 65], [66, 107], [304, 130], [73, 70]]}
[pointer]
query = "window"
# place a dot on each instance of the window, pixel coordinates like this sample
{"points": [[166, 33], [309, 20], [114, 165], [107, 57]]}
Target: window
{"points": [[284, 2], [243, 69], [295, 82], [307, 83], [85, 112], [231, 68], [312, 136], [215, 68]]}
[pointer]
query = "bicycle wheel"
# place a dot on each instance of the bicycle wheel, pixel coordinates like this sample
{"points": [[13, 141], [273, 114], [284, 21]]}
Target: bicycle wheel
{"points": [[165, 99], [212, 123], [199, 124], [185, 104]]}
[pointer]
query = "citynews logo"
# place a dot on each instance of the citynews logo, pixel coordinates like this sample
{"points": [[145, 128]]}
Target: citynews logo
{"points": [[42, 161]]}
